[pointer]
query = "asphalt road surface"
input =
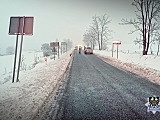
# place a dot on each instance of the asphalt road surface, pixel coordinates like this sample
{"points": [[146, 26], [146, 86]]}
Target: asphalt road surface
{"points": [[99, 91]]}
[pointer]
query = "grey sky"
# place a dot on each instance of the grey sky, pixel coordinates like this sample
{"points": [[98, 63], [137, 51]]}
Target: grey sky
{"points": [[63, 19]]}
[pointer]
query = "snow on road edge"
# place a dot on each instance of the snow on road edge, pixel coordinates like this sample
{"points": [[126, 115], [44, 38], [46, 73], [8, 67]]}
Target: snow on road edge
{"points": [[54, 105], [149, 73], [22, 100]]}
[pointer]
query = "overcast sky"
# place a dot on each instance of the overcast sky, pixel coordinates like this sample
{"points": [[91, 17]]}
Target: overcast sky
{"points": [[63, 19]]}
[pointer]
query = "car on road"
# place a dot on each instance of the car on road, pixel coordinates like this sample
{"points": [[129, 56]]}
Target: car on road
{"points": [[88, 50]]}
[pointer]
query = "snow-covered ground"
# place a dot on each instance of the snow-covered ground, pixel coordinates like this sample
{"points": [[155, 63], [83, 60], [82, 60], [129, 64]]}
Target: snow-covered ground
{"points": [[6, 63], [144, 65], [30, 59], [23, 99]]}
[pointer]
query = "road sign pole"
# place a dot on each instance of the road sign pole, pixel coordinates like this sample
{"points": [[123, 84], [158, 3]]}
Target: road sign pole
{"points": [[117, 51], [20, 26], [61, 48], [112, 49], [15, 57], [20, 50], [117, 43], [58, 51], [54, 52]]}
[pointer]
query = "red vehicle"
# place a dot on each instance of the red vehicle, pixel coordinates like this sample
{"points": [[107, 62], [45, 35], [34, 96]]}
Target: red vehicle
{"points": [[88, 50]]}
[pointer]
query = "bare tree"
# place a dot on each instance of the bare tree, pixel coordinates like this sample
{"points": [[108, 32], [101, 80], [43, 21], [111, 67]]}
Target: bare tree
{"points": [[93, 38], [69, 43], [104, 29], [46, 49], [157, 41], [85, 39], [100, 29], [146, 21], [158, 46], [90, 38], [95, 28]]}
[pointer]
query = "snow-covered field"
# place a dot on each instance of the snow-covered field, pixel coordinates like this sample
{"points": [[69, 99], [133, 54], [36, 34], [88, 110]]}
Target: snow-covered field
{"points": [[6, 63], [23, 99], [146, 66]]}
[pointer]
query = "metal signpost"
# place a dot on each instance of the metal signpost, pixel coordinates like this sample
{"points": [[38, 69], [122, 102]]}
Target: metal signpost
{"points": [[63, 45], [15, 57], [53, 46], [115, 43], [53, 49], [20, 26]]}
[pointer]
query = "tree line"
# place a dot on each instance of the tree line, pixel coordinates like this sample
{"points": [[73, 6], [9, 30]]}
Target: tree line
{"points": [[98, 32], [47, 51], [146, 23]]}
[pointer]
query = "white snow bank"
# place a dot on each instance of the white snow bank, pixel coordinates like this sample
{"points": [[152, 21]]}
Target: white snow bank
{"points": [[146, 66], [21, 100]]}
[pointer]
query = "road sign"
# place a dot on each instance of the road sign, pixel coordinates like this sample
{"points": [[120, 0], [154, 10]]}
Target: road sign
{"points": [[54, 44], [63, 47], [117, 42], [21, 25]]}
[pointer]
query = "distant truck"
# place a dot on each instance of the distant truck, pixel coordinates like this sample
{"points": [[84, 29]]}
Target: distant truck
{"points": [[76, 48]]}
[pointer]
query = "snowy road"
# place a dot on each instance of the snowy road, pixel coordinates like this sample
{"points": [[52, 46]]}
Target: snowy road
{"points": [[98, 90]]}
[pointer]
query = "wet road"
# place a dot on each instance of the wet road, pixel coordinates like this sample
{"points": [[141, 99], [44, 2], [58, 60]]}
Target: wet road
{"points": [[99, 91]]}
